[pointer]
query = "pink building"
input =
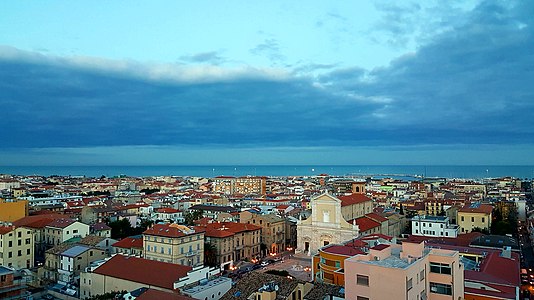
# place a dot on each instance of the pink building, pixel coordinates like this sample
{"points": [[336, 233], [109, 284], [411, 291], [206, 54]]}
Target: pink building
{"points": [[407, 271]]}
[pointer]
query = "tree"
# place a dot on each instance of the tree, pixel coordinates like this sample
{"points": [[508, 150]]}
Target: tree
{"points": [[120, 229], [191, 216], [210, 255]]}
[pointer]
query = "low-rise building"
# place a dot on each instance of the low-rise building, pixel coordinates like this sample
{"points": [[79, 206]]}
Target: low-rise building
{"points": [[474, 215], [132, 245], [233, 241], [434, 226], [60, 230], [173, 243], [9, 287], [272, 230]]}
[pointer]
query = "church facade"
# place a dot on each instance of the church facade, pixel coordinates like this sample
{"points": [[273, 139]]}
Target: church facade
{"points": [[326, 225]]}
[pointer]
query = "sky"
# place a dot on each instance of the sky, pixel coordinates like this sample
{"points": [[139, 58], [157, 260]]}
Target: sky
{"points": [[266, 82]]}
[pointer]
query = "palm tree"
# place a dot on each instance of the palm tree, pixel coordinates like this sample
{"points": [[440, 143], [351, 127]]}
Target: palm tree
{"points": [[210, 255]]}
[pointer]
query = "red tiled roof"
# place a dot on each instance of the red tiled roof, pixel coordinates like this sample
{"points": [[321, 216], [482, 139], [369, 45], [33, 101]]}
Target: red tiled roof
{"points": [[376, 217], [353, 199], [6, 229], [483, 209], [233, 227], [60, 223], [380, 247], [167, 230], [129, 242], [342, 250], [167, 210], [39, 221], [365, 224], [143, 271]]}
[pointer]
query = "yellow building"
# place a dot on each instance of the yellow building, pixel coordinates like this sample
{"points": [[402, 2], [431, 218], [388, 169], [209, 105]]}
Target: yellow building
{"points": [[173, 243], [16, 247], [273, 230], [12, 211], [474, 215]]}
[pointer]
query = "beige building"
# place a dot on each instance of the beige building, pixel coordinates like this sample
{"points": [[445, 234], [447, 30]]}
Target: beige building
{"points": [[474, 215], [60, 230], [326, 225], [16, 247], [355, 205], [173, 243], [407, 271], [233, 241], [273, 230], [229, 185]]}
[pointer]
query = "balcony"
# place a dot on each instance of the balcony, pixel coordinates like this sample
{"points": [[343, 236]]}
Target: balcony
{"points": [[191, 253]]}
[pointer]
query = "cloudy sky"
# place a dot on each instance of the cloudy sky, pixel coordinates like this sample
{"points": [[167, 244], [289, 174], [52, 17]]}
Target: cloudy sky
{"points": [[266, 82]]}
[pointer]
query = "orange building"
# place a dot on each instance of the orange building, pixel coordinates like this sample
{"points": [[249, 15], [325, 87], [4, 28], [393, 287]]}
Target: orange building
{"points": [[12, 211]]}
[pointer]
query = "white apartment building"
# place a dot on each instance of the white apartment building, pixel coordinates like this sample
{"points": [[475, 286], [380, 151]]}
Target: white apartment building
{"points": [[434, 226]]}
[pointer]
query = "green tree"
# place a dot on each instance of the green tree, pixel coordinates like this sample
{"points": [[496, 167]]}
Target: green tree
{"points": [[120, 229], [210, 255], [191, 216]]}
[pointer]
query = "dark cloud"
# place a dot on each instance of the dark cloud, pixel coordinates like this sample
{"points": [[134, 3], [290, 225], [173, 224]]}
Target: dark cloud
{"points": [[469, 85]]}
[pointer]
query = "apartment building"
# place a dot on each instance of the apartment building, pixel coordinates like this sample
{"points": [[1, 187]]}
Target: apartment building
{"points": [[272, 229], [409, 271], [434, 226], [173, 243], [233, 241], [16, 247], [60, 230], [474, 215], [132, 245], [247, 185]]}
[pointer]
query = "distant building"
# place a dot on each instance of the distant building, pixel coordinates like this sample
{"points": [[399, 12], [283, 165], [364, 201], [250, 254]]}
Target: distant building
{"points": [[272, 229], [229, 185], [434, 226]]}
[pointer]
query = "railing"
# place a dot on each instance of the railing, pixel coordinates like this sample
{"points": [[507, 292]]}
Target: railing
{"points": [[191, 253]]}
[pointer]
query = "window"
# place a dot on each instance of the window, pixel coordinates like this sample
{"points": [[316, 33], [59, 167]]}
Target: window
{"points": [[462, 218], [472, 219], [361, 298], [483, 219], [19, 242], [28, 241], [409, 284], [440, 268], [338, 264], [439, 288], [10, 243], [28, 251], [362, 280], [19, 234], [75, 231], [19, 253], [9, 255], [422, 275]]}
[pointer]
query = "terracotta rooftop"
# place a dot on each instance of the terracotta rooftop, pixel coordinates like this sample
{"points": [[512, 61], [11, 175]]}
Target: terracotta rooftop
{"points": [[60, 223], [477, 208], [169, 230], [6, 229], [130, 242], [365, 223], [149, 272], [37, 221], [353, 199], [343, 250]]}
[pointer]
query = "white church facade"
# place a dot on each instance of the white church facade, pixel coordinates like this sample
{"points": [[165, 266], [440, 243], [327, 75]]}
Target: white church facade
{"points": [[326, 225]]}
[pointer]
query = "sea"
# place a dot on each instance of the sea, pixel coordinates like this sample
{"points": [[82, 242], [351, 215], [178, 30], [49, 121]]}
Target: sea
{"points": [[395, 171]]}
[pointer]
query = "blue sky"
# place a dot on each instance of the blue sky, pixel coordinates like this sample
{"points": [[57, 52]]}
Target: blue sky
{"points": [[238, 82]]}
